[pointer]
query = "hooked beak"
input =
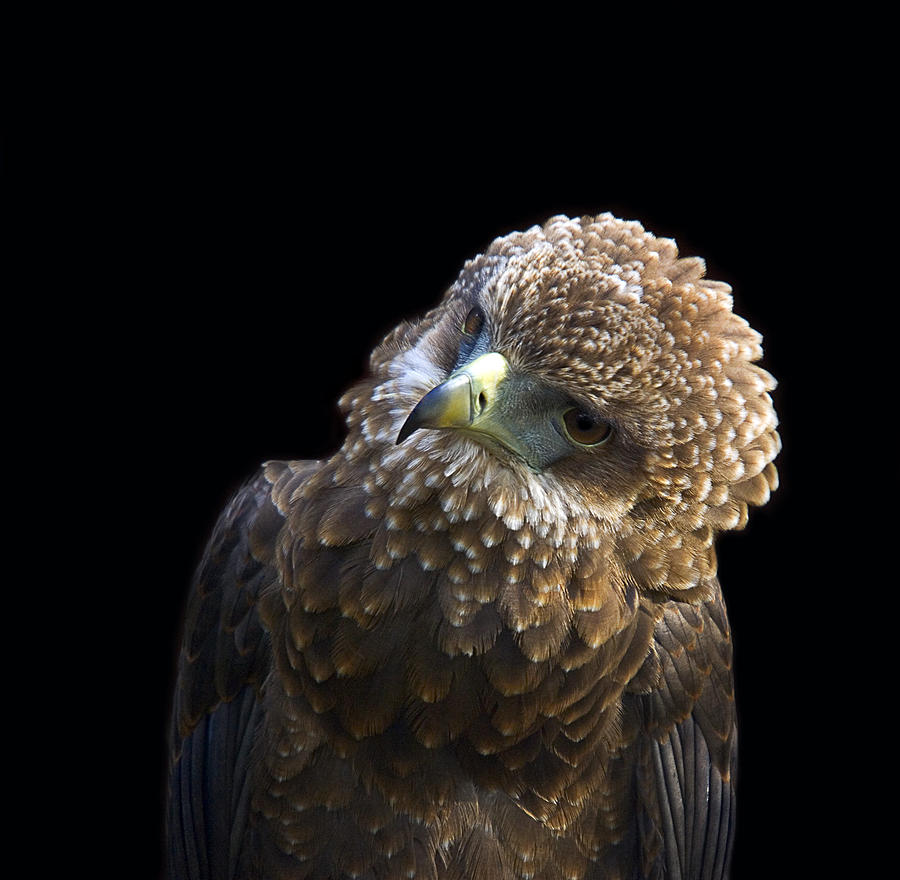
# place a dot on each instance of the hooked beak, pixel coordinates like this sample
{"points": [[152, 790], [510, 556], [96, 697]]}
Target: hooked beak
{"points": [[466, 400]]}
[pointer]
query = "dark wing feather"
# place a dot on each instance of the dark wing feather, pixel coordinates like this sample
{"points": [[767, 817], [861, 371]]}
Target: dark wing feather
{"points": [[687, 776], [222, 668]]}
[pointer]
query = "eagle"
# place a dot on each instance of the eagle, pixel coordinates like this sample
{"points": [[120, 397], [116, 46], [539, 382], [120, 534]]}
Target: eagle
{"points": [[486, 638]]}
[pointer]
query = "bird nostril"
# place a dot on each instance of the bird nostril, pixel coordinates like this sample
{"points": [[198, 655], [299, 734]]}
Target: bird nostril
{"points": [[482, 401]]}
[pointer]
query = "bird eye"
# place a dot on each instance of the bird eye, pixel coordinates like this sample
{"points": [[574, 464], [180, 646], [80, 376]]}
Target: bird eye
{"points": [[473, 322], [584, 429]]}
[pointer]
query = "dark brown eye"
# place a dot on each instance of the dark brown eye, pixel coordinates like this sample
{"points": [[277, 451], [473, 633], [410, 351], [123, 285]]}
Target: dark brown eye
{"points": [[474, 322], [583, 428]]}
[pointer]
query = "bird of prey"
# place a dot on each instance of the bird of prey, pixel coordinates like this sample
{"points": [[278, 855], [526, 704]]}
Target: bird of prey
{"points": [[485, 639]]}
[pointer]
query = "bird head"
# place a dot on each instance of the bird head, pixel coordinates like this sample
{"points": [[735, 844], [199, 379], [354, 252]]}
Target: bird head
{"points": [[599, 379]]}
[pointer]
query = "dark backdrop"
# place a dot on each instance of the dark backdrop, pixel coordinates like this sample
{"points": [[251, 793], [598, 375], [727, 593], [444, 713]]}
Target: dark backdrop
{"points": [[261, 254]]}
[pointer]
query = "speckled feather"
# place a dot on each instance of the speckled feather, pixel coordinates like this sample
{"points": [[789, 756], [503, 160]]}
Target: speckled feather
{"points": [[463, 666]]}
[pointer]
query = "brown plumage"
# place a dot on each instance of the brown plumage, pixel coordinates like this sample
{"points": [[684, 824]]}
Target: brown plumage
{"points": [[485, 639]]}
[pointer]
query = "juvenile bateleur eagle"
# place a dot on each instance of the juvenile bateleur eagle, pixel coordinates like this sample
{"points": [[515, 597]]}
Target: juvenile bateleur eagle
{"points": [[485, 639]]}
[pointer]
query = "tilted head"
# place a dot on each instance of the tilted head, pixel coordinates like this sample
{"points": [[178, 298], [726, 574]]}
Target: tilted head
{"points": [[606, 373]]}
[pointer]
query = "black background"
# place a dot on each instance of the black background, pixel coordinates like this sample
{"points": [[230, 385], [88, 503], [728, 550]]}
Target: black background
{"points": [[246, 241]]}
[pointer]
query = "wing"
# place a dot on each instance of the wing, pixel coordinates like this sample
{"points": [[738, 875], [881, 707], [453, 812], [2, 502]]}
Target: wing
{"points": [[224, 659], [686, 770]]}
